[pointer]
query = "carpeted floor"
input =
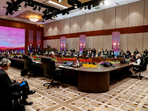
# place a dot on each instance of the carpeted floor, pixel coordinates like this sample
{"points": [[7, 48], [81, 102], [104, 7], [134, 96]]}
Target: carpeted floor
{"points": [[126, 95]]}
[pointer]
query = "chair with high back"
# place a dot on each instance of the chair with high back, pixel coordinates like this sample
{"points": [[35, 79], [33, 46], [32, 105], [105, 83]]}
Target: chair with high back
{"points": [[50, 71], [27, 65], [140, 69]]}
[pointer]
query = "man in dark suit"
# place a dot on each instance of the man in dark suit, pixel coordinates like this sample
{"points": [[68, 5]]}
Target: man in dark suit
{"points": [[88, 54], [102, 51], [9, 86], [122, 53], [136, 52], [73, 50], [145, 52], [112, 53], [128, 54], [92, 54]]}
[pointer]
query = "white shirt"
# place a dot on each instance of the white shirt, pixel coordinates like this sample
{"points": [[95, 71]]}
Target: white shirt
{"points": [[137, 63]]}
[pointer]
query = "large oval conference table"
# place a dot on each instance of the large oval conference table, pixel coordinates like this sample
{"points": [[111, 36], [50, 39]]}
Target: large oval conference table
{"points": [[89, 79], [94, 79]]}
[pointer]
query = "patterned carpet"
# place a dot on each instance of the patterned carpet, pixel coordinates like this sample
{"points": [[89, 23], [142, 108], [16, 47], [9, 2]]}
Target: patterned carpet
{"points": [[126, 95]]}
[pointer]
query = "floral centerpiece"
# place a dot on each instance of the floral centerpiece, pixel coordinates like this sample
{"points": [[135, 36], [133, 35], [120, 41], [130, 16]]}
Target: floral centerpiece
{"points": [[90, 65], [105, 64]]}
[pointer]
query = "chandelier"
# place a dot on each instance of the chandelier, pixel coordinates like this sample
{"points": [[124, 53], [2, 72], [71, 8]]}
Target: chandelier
{"points": [[33, 19]]}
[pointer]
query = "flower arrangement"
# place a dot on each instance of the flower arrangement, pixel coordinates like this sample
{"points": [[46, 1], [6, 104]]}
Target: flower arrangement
{"points": [[90, 65], [105, 64]]}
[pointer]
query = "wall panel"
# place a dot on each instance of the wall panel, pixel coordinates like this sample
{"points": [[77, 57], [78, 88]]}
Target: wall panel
{"points": [[132, 14], [107, 42], [90, 21], [139, 41], [145, 41], [131, 42], [55, 28], [98, 42], [74, 24], [123, 41], [109, 18], [140, 13], [61, 25], [66, 26], [81, 23], [89, 42], [99, 20], [146, 13], [122, 16]]}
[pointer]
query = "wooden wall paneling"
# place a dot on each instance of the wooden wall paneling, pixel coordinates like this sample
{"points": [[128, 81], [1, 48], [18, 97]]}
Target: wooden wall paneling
{"points": [[98, 20], [81, 23], [67, 26], [3, 23], [146, 12], [123, 41], [107, 42], [42, 35], [74, 24], [132, 14], [145, 41], [139, 41], [35, 37], [90, 21], [140, 13], [89, 42]]}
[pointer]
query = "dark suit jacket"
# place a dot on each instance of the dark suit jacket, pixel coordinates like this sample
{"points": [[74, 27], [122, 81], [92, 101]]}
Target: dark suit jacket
{"points": [[88, 55], [136, 52], [6, 86], [145, 53], [121, 53]]}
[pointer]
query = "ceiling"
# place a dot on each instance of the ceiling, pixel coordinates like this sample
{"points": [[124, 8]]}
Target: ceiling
{"points": [[23, 15]]}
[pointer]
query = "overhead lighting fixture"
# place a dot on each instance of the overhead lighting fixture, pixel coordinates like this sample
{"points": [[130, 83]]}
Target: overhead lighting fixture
{"points": [[33, 19], [57, 4], [35, 8], [75, 6], [59, 1], [106, 2], [39, 8]]}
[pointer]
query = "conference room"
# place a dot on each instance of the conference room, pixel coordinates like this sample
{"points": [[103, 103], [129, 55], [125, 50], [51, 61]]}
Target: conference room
{"points": [[73, 55]]}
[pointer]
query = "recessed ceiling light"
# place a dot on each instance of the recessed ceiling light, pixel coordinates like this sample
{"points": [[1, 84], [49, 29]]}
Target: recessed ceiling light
{"points": [[1, 7], [57, 4]]}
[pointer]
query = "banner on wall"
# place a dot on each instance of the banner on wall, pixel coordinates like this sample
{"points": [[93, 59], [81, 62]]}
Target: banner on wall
{"points": [[116, 42], [82, 42], [62, 43]]}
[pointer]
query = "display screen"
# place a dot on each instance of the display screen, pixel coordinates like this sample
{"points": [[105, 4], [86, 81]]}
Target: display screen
{"points": [[12, 39]]}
